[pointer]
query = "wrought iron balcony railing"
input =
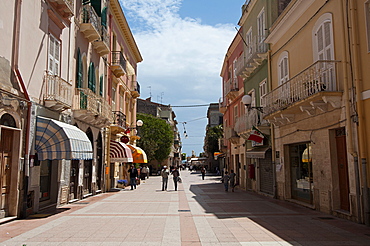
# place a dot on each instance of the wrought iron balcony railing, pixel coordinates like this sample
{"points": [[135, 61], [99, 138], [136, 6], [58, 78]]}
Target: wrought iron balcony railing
{"points": [[319, 77], [119, 119], [85, 99]]}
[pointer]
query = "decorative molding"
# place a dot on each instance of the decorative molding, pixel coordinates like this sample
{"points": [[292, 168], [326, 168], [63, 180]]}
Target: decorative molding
{"points": [[335, 101], [320, 105], [288, 117], [308, 109]]}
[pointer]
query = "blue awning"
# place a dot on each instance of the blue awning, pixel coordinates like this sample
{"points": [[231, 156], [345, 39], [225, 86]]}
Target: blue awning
{"points": [[56, 140]]}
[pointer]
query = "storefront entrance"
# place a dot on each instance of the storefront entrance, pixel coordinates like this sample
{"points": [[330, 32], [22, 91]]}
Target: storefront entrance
{"points": [[301, 172], [340, 139], [6, 143]]}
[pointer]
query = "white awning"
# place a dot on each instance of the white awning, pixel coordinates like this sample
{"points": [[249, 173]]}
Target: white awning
{"points": [[257, 153]]}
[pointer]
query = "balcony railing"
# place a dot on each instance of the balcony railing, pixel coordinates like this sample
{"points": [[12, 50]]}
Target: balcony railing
{"points": [[118, 63], [135, 91], [94, 105], [119, 119], [58, 92], [65, 7], [102, 44], [222, 105], [90, 23], [319, 77]]}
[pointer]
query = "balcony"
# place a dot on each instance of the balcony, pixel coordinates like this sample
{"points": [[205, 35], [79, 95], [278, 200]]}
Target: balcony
{"points": [[101, 45], [314, 87], [64, 7], [118, 65], [231, 88], [119, 122], [231, 135], [222, 105], [135, 92], [58, 95], [253, 56], [90, 23], [244, 124], [91, 108]]}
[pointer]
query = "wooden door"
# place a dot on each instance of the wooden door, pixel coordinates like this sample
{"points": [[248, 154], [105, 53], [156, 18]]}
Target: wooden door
{"points": [[73, 185], [342, 169], [6, 143]]}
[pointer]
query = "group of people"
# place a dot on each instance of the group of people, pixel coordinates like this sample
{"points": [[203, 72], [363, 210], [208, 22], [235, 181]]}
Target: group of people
{"points": [[165, 174], [134, 174], [229, 179]]}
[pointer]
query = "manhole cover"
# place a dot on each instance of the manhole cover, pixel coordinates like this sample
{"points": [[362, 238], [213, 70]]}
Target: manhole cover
{"points": [[184, 210]]}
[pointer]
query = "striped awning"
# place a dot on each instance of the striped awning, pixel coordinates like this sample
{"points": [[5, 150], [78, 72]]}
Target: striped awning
{"points": [[138, 154], [119, 152], [56, 140]]}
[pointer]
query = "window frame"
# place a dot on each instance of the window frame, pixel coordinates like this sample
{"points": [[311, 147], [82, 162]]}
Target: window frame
{"points": [[53, 61]]}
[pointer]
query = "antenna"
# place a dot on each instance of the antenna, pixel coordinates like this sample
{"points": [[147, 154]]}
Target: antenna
{"points": [[162, 94], [150, 91]]}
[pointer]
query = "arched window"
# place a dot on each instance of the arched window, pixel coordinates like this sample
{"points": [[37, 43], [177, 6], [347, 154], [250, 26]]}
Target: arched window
{"points": [[283, 68], [323, 38], [8, 120]]}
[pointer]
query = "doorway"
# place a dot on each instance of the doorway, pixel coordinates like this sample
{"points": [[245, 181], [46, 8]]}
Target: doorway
{"points": [[6, 143], [340, 139]]}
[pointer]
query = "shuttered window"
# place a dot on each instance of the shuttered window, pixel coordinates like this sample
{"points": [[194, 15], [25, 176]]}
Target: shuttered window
{"points": [[91, 77], [324, 41], [54, 55], [79, 70]]}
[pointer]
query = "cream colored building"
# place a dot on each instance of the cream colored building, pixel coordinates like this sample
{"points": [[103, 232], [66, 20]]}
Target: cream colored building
{"points": [[312, 108]]}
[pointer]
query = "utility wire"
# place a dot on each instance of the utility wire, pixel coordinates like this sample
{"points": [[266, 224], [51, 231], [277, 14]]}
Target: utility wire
{"points": [[189, 106]]}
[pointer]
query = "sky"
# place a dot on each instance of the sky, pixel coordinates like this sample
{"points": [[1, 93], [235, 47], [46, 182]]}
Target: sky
{"points": [[183, 44]]}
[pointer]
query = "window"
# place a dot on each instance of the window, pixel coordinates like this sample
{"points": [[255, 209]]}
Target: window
{"points": [[54, 55], [323, 38], [263, 92], [114, 97], [252, 94], [248, 40], [367, 24], [283, 69], [91, 77], [235, 78], [261, 26], [79, 69]]}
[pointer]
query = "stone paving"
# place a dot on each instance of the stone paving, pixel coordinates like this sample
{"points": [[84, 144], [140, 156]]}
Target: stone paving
{"points": [[199, 213]]}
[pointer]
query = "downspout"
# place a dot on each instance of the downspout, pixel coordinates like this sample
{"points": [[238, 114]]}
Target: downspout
{"points": [[360, 109], [272, 129], [15, 57]]}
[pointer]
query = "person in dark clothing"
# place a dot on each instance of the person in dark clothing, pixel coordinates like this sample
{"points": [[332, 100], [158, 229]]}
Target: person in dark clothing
{"points": [[176, 175], [133, 175], [203, 171]]}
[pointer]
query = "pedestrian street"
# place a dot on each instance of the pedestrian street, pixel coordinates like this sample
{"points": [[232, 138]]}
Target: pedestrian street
{"points": [[199, 213]]}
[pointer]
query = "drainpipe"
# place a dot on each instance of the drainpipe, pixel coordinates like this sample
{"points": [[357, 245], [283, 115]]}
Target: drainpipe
{"points": [[360, 109], [15, 57]]}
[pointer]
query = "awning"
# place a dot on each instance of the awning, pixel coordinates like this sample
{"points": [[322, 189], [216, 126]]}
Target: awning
{"points": [[56, 140], [257, 152], [138, 154], [119, 152]]}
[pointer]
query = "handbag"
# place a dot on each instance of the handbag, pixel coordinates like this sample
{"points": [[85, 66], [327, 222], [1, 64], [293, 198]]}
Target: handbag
{"points": [[179, 179]]}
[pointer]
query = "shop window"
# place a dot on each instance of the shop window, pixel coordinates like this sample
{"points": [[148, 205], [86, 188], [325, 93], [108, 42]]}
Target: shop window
{"points": [[300, 156]]}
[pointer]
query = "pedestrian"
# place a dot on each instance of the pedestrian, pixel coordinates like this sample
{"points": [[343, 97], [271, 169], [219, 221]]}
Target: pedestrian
{"points": [[176, 176], [164, 174], [232, 180], [147, 171], [143, 173], [217, 171], [133, 176], [225, 180], [203, 171]]}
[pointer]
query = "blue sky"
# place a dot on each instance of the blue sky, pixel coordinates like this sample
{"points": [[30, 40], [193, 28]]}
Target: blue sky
{"points": [[183, 44]]}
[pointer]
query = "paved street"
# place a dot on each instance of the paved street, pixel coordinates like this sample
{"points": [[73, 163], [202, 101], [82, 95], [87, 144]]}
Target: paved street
{"points": [[200, 213]]}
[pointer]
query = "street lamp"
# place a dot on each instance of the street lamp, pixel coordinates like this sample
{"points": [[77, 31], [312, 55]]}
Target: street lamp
{"points": [[247, 101]]}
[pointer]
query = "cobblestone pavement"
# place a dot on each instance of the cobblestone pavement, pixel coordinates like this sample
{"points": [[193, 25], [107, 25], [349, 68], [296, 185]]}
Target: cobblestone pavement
{"points": [[199, 213]]}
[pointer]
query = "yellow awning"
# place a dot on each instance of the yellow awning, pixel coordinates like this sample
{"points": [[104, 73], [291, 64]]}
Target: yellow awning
{"points": [[138, 154]]}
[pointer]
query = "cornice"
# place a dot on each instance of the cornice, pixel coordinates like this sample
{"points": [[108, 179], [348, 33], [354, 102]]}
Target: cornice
{"points": [[119, 16]]}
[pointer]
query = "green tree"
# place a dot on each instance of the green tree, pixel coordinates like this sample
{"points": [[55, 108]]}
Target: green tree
{"points": [[156, 137], [213, 134]]}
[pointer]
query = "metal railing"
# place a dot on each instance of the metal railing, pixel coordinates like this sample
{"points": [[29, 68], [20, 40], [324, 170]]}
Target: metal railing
{"points": [[105, 36], [97, 105], [58, 89], [88, 15], [222, 102], [119, 119], [320, 76], [70, 4], [119, 59], [136, 86], [231, 85]]}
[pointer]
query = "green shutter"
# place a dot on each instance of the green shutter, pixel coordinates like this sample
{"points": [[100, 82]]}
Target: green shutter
{"points": [[101, 86], [96, 4], [104, 17], [79, 70], [91, 77]]}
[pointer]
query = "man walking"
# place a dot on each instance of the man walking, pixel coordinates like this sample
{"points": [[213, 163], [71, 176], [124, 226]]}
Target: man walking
{"points": [[164, 174], [133, 175], [176, 175]]}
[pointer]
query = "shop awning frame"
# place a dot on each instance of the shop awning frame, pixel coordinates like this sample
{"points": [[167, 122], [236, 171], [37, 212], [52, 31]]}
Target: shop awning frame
{"points": [[138, 154], [120, 152], [56, 140], [258, 153]]}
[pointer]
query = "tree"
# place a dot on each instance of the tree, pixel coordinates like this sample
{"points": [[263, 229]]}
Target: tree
{"points": [[156, 137], [213, 134]]}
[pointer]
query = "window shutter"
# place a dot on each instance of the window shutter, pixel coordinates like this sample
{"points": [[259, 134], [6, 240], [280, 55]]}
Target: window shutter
{"points": [[91, 77], [104, 17], [54, 55], [101, 85], [96, 4], [79, 75]]}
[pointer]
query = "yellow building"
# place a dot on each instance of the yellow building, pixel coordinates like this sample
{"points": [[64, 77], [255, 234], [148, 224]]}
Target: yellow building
{"points": [[312, 107]]}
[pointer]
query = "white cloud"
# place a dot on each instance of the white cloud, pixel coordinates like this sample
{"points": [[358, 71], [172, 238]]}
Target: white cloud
{"points": [[182, 57]]}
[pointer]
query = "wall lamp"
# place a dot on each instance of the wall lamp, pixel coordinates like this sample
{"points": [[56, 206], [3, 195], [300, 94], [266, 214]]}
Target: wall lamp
{"points": [[247, 101]]}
